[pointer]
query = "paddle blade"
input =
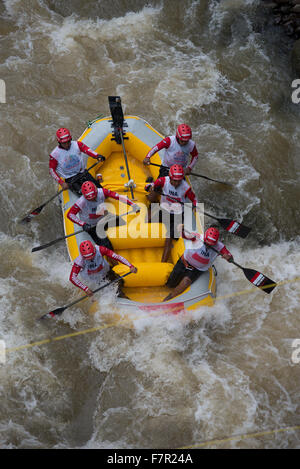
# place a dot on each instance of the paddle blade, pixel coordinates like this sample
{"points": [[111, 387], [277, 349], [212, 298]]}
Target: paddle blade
{"points": [[31, 215], [260, 280], [52, 314], [47, 245], [234, 227], [38, 248]]}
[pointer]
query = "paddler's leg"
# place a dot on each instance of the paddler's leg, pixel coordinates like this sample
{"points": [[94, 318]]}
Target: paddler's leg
{"points": [[189, 276], [163, 172], [172, 233], [167, 250], [153, 197], [111, 275], [183, 285], [177, 274], [75, 182]]}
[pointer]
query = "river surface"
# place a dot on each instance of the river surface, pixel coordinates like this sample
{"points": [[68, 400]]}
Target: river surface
{"points": [[223, 68]]}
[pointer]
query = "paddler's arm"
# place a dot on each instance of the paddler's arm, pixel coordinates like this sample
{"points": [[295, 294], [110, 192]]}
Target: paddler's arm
{"points": [[85, 149], [75, 280]]}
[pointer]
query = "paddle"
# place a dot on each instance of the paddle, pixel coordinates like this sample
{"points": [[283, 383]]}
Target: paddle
{"points": [[38, 210], [232, 226], [47, 245], [256, 278], [59, 311], [195, 174]]}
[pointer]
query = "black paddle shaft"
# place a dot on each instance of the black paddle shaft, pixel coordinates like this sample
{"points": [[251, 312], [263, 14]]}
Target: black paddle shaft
{"points": [[232, 226], [51, 243], [59, 311], [195, 174], [38, 210]]}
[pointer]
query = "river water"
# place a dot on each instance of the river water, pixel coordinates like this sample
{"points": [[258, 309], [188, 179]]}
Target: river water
{"points": [[222, 67]]}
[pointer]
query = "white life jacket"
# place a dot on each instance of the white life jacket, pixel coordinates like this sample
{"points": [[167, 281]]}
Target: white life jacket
{"points": [[177, 154], [200, 256], [177, 193], [90, 211], [70, 162], [93, 269]]}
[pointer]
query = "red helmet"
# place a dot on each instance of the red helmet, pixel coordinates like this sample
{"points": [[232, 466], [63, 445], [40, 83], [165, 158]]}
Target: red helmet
{"points": [[184, 132], [211, 236], [63, 135], [89, 190], [87, 249], [176, 172]]}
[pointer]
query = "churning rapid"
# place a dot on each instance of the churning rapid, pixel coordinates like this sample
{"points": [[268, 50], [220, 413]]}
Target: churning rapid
{"points": [[223, 68]]}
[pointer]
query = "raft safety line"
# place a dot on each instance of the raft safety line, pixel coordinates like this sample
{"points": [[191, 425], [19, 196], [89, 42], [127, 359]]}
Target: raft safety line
{"points": [[126, 320], [242, 437], [205, 443]]}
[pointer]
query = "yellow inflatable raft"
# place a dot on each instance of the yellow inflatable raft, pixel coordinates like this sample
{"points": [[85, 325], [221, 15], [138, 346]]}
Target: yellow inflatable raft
{"points": [[140, 242]]}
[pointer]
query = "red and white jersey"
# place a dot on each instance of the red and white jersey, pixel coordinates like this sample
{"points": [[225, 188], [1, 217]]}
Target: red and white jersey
{"points": [[176, 194], [89, 210], [95, 269], [200, 255], [175, 153], [67, 163]]}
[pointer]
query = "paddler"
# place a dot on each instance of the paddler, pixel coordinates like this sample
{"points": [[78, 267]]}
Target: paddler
{"points": [[91, 209], [196, 259], [91, 266], [175, 192], [66, 163], [177, 150]]}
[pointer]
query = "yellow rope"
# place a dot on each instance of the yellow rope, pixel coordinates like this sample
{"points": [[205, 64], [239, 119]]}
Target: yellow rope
{"points": [[121, 321], [241, 437], [129, 320]]}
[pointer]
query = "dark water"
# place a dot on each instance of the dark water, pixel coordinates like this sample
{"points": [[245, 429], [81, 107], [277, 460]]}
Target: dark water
{"points": [[222, 67]]}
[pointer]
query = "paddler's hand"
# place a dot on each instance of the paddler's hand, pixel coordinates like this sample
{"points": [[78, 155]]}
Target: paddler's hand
{"points": [[89, 292], [187, 171], [228, 257], [101, 158], [136, 208], [87, 227], [64, 186], [133, 270], [146, 161]]}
